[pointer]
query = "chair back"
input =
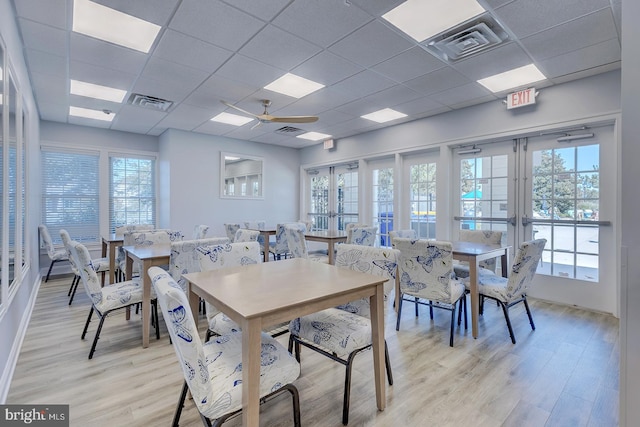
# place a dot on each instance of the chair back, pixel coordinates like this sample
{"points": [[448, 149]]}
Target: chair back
{"points": [[66, 241], [348, 228], [365, 236], [184, 337], [231, 229], [257, 225], [184, 257], [244, 235], [366, 259], [87, 273], [281, 245], [200, 231], [425, 268], [152, 237], [487, 237], [296, 240], [405, 234], [133, 227], [215, 257], [46, 239], [308, 224], [524, 268]]}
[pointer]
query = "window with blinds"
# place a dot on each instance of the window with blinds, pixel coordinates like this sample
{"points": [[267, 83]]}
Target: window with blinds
{"points": [[70, 194], [132, 191]]}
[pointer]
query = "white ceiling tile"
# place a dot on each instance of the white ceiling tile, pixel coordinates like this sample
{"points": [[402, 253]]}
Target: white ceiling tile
{"points": [[582, 59], [136, 119], [246, 70], [421, 106], [191, 52], [327, 68], [437, 81], [99, 75], [158, 14], [265, 10], [174, 77], [176, 91], [81, 121], [53, 112], [394, 95], [186, 117], [278, 48], [377, 7], [46, 63], [51, 12], [43, 37], [461, 94], [409, 65], [106, 55], [50, 88], [371, 44], [364, 83], [498, 60], [217, 88]]}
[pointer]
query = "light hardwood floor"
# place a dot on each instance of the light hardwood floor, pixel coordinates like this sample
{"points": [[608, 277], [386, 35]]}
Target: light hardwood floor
{"points": [[565, 373]]}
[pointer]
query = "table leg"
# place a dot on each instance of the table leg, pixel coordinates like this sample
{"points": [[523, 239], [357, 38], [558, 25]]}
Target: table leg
{"points": [[475, 300], [146, 303], [504, 260], [128, 274], [266, 247], [251, 349], [194, 303], [112, 263], [330, 252], [377, 336]]}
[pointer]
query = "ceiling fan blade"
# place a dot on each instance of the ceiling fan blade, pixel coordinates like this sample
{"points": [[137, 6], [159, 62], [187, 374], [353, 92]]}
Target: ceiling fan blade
{"points": [[238, 108], [294, 119], [256, 125]]}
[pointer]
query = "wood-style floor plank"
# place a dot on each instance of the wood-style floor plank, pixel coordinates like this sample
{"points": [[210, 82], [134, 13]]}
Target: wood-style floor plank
{"points": [[563, 373]]}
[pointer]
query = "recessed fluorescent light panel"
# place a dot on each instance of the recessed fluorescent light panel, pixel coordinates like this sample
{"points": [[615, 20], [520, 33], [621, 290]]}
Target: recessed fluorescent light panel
{"points": [[314, 136], [90, 114], [91, 90], [295, 86], [513, 78], [422, 19], [110, 25], [384, 115], [231, 119]]}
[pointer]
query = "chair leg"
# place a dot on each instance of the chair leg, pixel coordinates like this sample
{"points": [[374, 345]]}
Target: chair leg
{"points": [[49, 272], [416, 300], [399, 312], [465, 312], [75, 288], [86, 325], [295, 397], [505, 309], [387, 362], [453, 321], [73, 282], [97, 337], [183, 396], [347, 389], [526, 306], [155, 312]]}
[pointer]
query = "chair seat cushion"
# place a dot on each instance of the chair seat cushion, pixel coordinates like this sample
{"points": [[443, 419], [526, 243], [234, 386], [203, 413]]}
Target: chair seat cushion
{"points": [[336, 330], [224, 357], [221, 324], [100, 264], [119, 295], [493, 286], [461, 271], [60, 255]]}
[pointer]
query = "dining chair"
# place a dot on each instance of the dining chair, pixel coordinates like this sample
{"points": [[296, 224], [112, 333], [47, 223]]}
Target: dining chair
{"points": [[55, 255], [342, 332], [409, 233], [426, 274], [105, 300], [144, 238], [128, 228], [100, 265], [230, 229], [349, 226], [213, 370], [244, 235], [257, 225], [365, 236], [280, 248], [200, 231], [307, 223], [184, 257], [297, 243], [487, 237], [215, 257], [513, 290]]}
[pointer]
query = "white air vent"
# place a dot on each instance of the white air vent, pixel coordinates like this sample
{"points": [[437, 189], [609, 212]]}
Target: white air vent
{"points": [[289, 130], [150, 102], [467, 39]]}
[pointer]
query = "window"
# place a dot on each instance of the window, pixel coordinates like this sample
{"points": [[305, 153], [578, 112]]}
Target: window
{"points": [[70, 193], [382, 197], [132, 191], [422, 197]]}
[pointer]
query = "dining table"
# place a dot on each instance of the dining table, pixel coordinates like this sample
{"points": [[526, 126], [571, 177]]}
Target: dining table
{"points": [[110, 244], [473, 253], [330, 237], [260, 295], [147, 256]]}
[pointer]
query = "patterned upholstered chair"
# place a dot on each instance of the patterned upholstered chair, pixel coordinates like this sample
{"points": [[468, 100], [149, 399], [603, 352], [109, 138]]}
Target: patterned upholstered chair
{"points": [[487, 237], [404, 234], [145, 238], [200, 231], [257, 225], [342, 332], [426, 273], [365, 236], [349, 226], [280, 247], [308, 224], [105, 300], [184, 257], [129, 228], [213, 371], [294, 233], [100, 265], [244, 235], [513, 290], [230, 229], [215, 257], [55, 255]]}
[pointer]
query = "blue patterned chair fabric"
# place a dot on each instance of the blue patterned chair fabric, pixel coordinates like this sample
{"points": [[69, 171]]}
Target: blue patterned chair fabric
{"points": [[513, 290], [184, 257], [296, 241], [213, 371], [244, 235], [365, 236], [200, 231], [129, 228], [404, 234], [100, 265], [426, 273], [348, 228], [231, 229], [487, 237], [341, 332], [145, 238], [257, 225], [55, 255], [105, 299]]}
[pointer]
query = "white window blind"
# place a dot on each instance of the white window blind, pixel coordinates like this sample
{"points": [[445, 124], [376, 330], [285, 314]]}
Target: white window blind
{"points": [[132, 191], [70, 194]]}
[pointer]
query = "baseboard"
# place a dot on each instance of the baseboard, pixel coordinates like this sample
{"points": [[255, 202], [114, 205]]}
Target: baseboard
{"points": [[7, 373]]}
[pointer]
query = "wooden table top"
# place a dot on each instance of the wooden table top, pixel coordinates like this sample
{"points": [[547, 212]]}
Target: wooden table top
{"points": [[327, 234]]}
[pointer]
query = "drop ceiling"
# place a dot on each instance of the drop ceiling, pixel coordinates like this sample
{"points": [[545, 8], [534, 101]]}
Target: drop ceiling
{"points": [[215, 50]]}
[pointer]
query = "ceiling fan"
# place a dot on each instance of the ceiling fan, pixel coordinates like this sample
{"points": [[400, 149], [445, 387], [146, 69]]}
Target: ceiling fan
{"points": [[265, 117]]}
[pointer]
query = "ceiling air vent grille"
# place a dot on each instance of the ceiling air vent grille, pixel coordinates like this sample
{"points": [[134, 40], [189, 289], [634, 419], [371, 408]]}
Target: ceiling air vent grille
{"points": [[289, 130], [150, 102], [466, 40]]}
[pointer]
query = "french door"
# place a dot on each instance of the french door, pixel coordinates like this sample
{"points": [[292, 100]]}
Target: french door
{"points": [[333, 198], [565, 192]]}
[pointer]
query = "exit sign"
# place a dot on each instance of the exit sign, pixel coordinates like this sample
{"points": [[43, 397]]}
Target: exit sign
{"points": [[521, 98]]}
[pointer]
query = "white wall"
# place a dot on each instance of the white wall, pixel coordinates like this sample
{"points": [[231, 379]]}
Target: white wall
{"points": [[191, 181]]}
